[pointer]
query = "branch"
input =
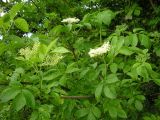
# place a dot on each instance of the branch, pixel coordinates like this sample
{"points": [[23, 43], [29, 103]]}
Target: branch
{"points": [[77, 97]]}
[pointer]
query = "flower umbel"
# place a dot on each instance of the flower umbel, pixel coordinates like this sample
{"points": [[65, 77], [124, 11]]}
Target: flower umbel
{"points": [[28, 52], [52, 60], [99, 51], [71, 20]]}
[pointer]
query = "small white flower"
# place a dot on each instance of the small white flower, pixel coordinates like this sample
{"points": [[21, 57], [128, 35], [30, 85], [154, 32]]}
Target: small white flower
{"points": [[28, 53], [71, 20], [99, 51]]}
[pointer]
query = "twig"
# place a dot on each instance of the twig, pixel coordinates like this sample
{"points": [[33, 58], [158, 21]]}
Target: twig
{"points": [[77, 97], [151, 2]]}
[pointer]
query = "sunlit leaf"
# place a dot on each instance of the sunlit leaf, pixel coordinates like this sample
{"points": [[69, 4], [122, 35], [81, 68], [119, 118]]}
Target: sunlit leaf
{"points": [[109, 93], [9, 94], [138, 105], [82, 112], [29, 97], [96, 111], [60, 50], [98, 91], [22, 24], [121, 113], [113, 112], [19, 102]]}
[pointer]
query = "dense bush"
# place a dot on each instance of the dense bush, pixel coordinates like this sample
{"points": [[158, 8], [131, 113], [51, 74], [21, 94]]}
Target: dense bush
{"points": [[72, 60]]}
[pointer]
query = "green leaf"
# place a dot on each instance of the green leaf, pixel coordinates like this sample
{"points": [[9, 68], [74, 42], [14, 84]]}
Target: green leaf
{"points": [[84, 72], [157, 81], [121, 113], [3, 48], [22, 24], [96, 112], [19, 102], [157, 50], [30, 100], [138, 105], [145, 40], [82, 112], [72, 68], [91, 116], [34, 115], [111, 78], [51, 45], [114, 41], [113, 112], [63, 80], [56, 30], [60, 50], [126, 51], [141, 70], [52, 76], [6, 18], [134, 39], [98, 91], [15, 9], [9, 93], [105, 17], [109, 93], [119, 43]]}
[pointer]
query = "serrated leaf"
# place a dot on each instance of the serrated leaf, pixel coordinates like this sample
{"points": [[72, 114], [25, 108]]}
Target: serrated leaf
{"points": [[3, 48], [138, 105], [113, 112], [113, 67], [119, 43], [157, 50], [52, 76], [22, 24], [126, 51], [105, 17], [98, 91], [145, 40], [81, 113], [9, 93], [157, 81], [141, 70], [34, 115], [121, 113], [51, 45], [60, 50], [19, 102], [6, 18], [96, 112], [140, 97], [109, 93], [29, 97], [134, 41], [91, 116], [71, 68], [111, 78], [15, 9]]}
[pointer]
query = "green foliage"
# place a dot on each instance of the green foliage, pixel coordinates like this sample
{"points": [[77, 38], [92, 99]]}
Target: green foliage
{"points": [[21, 24], [54, 74]]}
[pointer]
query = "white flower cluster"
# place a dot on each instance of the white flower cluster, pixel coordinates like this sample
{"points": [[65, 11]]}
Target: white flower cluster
{"points": [[99, 51], [27, 52], [70, 20], [52, 60], [32, 54]]}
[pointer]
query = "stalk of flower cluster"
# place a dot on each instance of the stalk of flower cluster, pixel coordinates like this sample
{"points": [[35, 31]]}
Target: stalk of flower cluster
{"points": [[70, 20], [100, 50]]}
